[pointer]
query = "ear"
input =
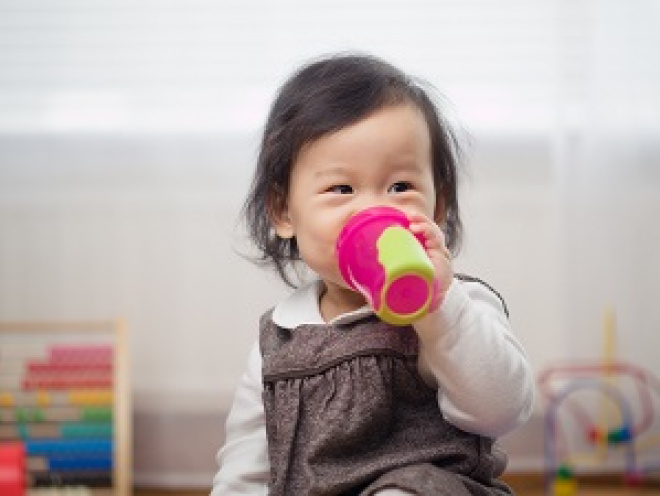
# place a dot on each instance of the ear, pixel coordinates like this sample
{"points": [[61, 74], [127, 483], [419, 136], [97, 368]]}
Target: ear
{"points": [[283, 226], [278, 213]]}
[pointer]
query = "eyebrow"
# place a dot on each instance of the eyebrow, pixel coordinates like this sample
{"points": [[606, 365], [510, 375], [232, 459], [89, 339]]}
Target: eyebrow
{"points": [[332, 170], [405, 165]]}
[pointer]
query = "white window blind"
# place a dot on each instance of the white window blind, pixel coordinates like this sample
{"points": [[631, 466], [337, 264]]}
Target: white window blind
{"points": [[202, 65]]}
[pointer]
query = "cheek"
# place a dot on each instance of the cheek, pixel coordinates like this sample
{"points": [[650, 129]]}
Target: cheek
{"points": [[318, 247], [317, 230]]}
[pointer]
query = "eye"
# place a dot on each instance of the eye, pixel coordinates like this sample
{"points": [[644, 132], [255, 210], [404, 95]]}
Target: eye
{"points": [[400, 187], [341, 189]]}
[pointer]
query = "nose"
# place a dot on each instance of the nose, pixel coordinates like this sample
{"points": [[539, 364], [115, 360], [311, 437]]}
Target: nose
{"points": [[368, 200], [375, 200]]}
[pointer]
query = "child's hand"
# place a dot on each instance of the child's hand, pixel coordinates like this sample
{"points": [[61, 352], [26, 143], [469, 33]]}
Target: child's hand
{"points": [[437, 252]]}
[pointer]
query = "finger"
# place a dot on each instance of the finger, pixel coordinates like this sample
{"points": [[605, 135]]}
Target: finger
{"points": [[433, 236]]}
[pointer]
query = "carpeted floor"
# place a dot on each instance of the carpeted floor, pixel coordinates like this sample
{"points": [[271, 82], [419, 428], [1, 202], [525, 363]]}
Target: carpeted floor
{"points": [[523, 485]]}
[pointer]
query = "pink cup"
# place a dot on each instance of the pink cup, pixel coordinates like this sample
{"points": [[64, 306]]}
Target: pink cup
{"points": [[382, 259]]}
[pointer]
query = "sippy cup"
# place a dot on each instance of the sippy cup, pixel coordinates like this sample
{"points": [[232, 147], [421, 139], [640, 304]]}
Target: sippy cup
{"points": [[382, 259]]}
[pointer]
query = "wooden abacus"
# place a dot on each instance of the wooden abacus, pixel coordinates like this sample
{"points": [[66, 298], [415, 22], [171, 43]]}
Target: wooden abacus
{"points": [[64, 395]]}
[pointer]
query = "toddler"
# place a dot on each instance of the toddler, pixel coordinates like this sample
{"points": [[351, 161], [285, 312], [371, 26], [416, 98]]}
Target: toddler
{"points": [[335, 401]]}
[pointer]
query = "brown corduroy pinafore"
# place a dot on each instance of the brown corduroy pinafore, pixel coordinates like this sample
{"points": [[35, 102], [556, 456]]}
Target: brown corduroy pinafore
{"points": [[347, 413]]}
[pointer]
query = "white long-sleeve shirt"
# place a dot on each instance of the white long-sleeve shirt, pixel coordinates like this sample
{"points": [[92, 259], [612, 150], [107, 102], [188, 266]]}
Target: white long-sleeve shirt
{"points": [[467, 351]]}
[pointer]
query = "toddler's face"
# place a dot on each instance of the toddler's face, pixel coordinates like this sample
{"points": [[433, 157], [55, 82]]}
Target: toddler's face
{"points": [[384, 159]]}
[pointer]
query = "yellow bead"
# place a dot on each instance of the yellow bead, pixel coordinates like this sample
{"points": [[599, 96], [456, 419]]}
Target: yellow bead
{"points": [[43, 398], [563, 487], [6, 400]]}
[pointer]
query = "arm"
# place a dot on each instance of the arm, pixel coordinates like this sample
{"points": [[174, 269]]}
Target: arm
{"points": [[485, 384], [243, 460]]}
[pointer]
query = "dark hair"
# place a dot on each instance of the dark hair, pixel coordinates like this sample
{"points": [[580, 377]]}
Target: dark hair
{"points": [[325, 96]]}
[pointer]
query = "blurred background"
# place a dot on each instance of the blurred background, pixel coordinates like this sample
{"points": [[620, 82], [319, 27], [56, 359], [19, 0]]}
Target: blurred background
{"points": [[129, 131]]}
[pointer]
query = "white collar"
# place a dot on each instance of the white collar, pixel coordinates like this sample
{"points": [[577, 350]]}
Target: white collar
{"points": [[302, 307]]}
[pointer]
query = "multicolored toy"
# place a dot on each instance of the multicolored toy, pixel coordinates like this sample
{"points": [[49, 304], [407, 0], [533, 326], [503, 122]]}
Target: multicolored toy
{"points": [[382, 259], [65, 408], [599, 412]]}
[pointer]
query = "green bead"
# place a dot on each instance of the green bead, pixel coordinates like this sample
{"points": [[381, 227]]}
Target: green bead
{"points": [[564, 472]]}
